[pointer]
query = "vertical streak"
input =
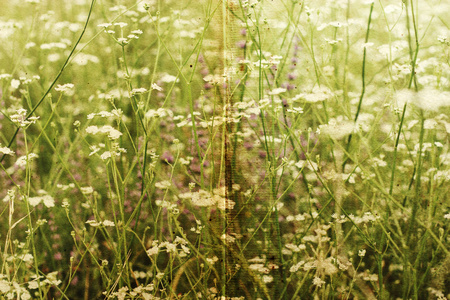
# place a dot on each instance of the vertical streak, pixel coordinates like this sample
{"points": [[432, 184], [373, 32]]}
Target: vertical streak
{"points": [[228, 50]]}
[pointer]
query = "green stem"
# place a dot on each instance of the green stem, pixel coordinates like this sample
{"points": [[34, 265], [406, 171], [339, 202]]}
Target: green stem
{"points": [[363, 78]]}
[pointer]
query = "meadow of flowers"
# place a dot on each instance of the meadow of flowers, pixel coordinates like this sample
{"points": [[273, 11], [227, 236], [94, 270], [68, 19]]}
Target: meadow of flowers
{"points": [[235, 149]]}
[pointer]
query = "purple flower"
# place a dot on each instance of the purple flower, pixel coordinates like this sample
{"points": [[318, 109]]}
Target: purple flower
{"points": [[74, 281], [241, 44], [204, 71], [167, 156], [248, 145]]}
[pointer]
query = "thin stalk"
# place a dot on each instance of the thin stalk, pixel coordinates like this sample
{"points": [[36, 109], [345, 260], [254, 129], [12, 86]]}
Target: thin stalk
{"points": [[394, 159], [416, 51], [363, 78], [418, 191], [31, 233]]}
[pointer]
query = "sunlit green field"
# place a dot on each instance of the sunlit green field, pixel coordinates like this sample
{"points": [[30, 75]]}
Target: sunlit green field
{"points": [[257, 149]]}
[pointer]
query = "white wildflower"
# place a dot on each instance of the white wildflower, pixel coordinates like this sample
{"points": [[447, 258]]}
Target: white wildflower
{"points": [[4, 286], [163, 184], [228, 239], [6, 150], [33, 285], [295, 110], [82, 59], [338, 128], [277, 91], [123, 41], [23, 160], [213, 260], [48, 201], [318, 282], [105, 155], [153, 250], [430, 124], [223, 203], [104, 25], [156, 87], [93, 223], [121, 24], [65, 88], [28, 258], [138, 91], [87, 190], [426, 99], [113, 134], [108, 223], [168, 78], [317, 95], [20, 118], [15, 84]]}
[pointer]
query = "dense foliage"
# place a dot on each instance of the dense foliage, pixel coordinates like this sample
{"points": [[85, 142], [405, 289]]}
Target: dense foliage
{"points": [[270, 149]]}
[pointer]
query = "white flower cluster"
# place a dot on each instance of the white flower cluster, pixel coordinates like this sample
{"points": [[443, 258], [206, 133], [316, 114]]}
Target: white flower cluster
{"points": [[366, 218], [15, 83], [214, 79], [170, 247], [20, 118], [299, 217], [14, 290], [113, 134], [262, 268], [338, 128], [115, 150], [105, 223], [105, 114], [163, 185], [158, 113], [6, 150], [139, 292], [325, 266], [10, 195], [11, 289], [206, 199], [24, 160], [293, 248], [66, 89], [277, 91], [318, 282], [199, 228], [135, 34], [138, 91], [44, 198], [266, 63], [172, 207], [437, 293], [316, 95], [426, 99], [65, 187]]}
